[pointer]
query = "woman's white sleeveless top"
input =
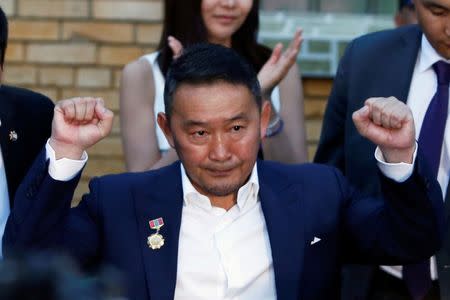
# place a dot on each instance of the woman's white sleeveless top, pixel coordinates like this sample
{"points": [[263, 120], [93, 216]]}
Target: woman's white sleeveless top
{"points": [[158, 105]]}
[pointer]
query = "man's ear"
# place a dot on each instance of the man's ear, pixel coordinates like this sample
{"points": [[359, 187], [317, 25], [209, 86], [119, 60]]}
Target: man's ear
{"points": [[164, 124], [398, 19], [266, 111]]}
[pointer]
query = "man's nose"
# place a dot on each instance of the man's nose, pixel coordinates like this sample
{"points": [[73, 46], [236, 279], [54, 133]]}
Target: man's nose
{"points": [[219, 148]]}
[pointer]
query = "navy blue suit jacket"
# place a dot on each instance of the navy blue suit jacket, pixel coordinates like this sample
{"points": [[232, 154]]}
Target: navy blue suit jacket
{"points": [[376, 65], [299, 202], [29, 115]]}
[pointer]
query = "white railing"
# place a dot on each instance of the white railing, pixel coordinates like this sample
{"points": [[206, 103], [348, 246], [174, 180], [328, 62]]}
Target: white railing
{"points": [[328, 32]]}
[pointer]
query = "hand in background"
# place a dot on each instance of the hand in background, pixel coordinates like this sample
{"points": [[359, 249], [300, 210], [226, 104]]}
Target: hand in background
{"points": [[176, 47], [388, 123], [278, 65], [79, 123], [273, 71]]}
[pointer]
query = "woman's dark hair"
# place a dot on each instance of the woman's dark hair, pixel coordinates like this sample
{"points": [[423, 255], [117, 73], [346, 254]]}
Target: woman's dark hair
{"points": [[183, 20]]}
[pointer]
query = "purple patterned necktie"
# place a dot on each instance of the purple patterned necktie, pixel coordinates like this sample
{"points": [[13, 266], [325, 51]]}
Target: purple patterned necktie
{"points": [[417, 276]]}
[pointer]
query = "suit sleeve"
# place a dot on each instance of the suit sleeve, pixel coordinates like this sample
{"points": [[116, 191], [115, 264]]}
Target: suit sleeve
{"points": [[406, 227], [42, 218], [331, 145], [46, 116]]}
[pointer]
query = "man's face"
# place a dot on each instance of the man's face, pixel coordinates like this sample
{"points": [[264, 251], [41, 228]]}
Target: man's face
{"points": [[216, 130], [434, 19]]}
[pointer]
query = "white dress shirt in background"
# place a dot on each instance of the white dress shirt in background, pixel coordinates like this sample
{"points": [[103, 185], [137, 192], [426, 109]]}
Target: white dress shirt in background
{"points": [[4, 201]]}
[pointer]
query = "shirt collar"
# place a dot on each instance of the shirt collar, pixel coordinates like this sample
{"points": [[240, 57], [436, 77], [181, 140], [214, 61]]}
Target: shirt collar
{"points": [[246, 199], [428, 55]]}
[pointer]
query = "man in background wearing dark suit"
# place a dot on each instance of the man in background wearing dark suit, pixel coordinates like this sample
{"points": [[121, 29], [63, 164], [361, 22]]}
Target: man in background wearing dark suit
{"points": [[25, 125], [410, 64]]}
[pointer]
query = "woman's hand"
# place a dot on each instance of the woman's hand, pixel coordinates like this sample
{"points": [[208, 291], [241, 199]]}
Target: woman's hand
{"points": [[278, 65], [273, 71], [176, 46]]}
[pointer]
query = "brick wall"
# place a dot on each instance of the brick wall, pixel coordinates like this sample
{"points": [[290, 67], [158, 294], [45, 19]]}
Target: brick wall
{"points": [[65, 48], [316, 92]]}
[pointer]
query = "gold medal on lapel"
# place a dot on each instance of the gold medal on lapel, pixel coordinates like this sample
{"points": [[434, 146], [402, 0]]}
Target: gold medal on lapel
{"points": [[156, 240]]}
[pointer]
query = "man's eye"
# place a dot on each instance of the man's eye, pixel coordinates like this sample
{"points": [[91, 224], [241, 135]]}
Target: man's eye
{"points": [[237, 128], [200, 133], [437, 11]]}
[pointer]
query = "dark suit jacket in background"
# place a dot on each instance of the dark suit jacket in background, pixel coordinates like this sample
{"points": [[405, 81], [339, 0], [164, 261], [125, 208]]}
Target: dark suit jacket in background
{"points": [[376, 65], [30, 115], [299, 202]]}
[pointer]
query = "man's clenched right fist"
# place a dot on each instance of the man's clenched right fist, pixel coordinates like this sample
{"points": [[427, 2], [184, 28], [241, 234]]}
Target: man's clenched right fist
{"points": [[79, 123]]}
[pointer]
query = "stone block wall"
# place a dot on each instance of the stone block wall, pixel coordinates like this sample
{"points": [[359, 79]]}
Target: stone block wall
{"points": [[66, 48]]}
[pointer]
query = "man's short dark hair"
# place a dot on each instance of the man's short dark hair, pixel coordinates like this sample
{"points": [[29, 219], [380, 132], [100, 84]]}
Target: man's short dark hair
{"points": [[3, 36], [405, 3], [207, 64]]}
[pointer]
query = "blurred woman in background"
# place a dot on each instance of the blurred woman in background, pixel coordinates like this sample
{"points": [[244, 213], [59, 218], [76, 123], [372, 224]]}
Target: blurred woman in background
{"points": [[232, 23]]}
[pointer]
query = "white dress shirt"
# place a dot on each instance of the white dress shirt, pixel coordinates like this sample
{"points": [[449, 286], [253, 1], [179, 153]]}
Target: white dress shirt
{"points": [[4, 201], [222, 254], [423, 87], [63, 169]]}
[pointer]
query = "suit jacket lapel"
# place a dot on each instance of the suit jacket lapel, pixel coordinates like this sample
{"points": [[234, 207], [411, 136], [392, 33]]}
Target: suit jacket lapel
{"points": [[7, 117], [447, 201], [163, 198], [285, 225], [446, 245], [403, 62], [9, 152]]}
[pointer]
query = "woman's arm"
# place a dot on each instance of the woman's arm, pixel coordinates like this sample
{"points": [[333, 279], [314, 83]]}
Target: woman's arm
{"points": [[289, 145], [137, 119]]}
